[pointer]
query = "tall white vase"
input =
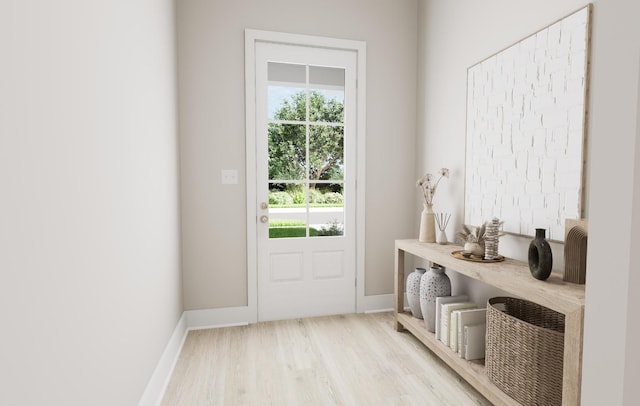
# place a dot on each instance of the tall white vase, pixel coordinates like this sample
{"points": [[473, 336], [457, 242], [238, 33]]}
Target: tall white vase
{"points": [[434, 283], [413, 291], [427, 224]]}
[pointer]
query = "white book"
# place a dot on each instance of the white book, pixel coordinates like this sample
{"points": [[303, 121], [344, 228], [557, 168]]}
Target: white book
{"points": [[454, 329], [474, 341], [466, 317], [443, 300], [445, 318]]}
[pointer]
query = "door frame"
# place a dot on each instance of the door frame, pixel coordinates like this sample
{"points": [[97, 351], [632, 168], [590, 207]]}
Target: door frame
{"points": [[251, 38]]}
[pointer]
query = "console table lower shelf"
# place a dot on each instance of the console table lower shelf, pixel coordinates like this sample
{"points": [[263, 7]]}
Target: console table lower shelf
{"points": [[471, 371]]}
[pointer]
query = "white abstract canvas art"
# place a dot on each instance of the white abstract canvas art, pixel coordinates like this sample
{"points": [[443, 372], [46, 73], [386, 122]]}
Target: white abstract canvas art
{"points": [[526, 109]]}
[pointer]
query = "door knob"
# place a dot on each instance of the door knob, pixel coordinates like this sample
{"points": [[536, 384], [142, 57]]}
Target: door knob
{"points": [[264, 219]]}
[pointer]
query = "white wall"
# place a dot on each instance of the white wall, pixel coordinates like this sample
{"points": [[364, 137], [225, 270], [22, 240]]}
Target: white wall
{"points": [[457, 34], [211, 100], [90, 288], [632, 355], [612, 251], [453, 36]]}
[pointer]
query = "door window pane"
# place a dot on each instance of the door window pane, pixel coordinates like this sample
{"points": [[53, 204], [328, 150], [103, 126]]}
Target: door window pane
{"points": [[326, 94], [287, 210], [286, 92], [327, 219], [287, 151], [326, 153]]}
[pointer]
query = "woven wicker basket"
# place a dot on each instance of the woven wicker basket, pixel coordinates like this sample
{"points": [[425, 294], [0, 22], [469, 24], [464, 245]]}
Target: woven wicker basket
{"points": [[525, 350]]}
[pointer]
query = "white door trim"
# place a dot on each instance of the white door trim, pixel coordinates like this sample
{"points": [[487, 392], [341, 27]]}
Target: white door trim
{"points": [[251, 38]]}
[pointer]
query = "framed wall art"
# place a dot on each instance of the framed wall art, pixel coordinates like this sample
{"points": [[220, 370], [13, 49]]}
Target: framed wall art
{"points": [[526, 130]]}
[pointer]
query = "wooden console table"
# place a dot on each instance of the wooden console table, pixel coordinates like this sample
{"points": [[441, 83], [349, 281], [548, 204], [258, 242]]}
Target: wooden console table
{"points": [[514, 278]]}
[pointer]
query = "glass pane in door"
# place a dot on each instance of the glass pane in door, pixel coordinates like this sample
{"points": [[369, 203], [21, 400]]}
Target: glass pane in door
{"points": [[287, 151], [286, 91], [326, 94], [288, 216], [326, 219], [326, 152]]}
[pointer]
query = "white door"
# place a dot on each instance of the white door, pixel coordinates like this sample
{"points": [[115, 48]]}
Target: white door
{"points": [[305, 141]]}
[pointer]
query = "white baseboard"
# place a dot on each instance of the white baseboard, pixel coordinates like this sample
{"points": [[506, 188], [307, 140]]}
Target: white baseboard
{"points": [[157, 385], [376, 304], [222, 317], [243, 315]]}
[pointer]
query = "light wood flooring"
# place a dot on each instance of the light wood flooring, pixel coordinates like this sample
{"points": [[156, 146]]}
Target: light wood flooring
{"points": [[356, 359]]}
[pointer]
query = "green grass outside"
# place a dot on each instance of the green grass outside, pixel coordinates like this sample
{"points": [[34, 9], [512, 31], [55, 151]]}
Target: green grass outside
{"points": [[302, 205], [290, 232], [286, 223]]}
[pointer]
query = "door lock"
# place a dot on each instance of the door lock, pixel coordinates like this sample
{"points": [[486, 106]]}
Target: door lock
{"points": [[264, 206]]}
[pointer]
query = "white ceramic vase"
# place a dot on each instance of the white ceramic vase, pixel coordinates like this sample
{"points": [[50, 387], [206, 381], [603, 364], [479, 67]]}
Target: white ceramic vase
{"points": [[413, 291], [427, 224], [434, 283], [474, 248]]}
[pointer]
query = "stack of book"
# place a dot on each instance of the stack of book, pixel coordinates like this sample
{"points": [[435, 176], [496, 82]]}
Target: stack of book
{"points": [[461, 326]]}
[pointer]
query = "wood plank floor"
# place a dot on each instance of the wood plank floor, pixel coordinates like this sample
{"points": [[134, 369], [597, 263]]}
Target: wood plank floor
{"points": [[356, 359]]}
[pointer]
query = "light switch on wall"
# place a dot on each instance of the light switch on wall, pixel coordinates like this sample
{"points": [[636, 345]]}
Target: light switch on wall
{"points": [[229, 177]]}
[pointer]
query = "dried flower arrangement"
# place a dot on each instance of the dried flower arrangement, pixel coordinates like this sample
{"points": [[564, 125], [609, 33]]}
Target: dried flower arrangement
{"points": [[477, 234], [428, 187], [471, 234]]}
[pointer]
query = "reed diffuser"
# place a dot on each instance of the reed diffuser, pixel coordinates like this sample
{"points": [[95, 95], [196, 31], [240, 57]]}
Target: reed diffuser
{"points": [[442, 219]]}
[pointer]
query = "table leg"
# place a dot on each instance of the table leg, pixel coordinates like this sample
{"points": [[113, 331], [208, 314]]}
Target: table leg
{"points": [[572, 367], [398, 287]]}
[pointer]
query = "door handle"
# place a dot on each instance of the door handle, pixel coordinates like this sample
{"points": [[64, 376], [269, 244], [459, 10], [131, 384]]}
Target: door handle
{"points": [[264, 219]]}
